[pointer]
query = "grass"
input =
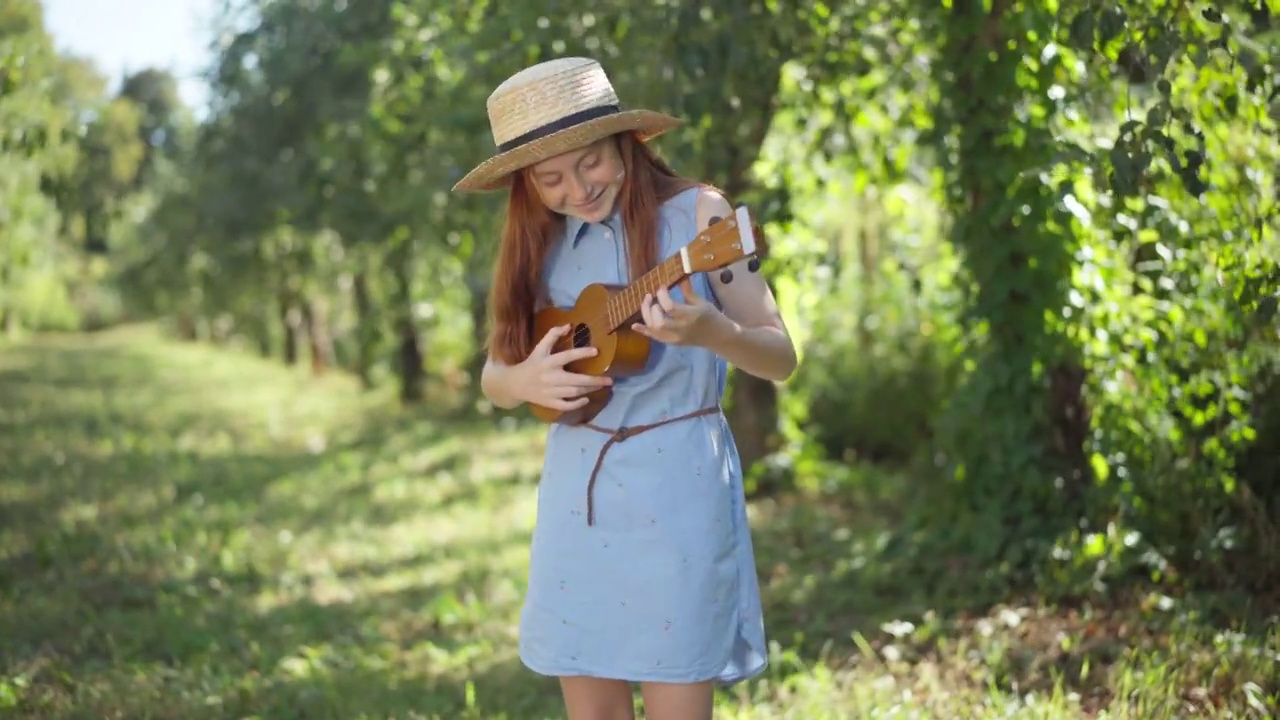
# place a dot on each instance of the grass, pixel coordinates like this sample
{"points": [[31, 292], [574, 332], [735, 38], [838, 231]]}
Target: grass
{"points": [[192, 533]]}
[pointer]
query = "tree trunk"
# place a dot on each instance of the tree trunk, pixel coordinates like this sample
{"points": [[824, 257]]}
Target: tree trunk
{"points": [[319, 339], [867, 237], [479, 305], [186, 323], [412, 376], [1018, 442], [290, 322], [753, 417], [366, 329], [752, 409], [412, 372], [8, 318]]}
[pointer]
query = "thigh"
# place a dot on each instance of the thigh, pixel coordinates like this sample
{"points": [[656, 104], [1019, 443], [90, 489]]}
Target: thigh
{"points": [[678, 701], [589, 698]]}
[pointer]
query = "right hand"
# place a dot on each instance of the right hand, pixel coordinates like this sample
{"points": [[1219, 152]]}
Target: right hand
{"points": [[545, 382]]}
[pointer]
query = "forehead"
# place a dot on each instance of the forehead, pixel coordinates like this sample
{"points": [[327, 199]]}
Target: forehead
{"points": [[565, 161]]}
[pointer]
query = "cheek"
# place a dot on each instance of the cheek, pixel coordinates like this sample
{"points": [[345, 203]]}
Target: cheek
{"points": [[606, 174], [553, 198]]}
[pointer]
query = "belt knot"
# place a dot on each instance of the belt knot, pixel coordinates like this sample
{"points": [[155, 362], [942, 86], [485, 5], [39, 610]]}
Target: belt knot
{"points": [[617, 435]]}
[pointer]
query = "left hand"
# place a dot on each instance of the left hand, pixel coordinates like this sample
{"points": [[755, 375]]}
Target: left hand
{"points": [[673, 323]]}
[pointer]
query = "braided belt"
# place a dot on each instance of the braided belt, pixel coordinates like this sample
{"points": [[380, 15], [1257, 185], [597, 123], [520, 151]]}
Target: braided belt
{"points": [[617, 435]]}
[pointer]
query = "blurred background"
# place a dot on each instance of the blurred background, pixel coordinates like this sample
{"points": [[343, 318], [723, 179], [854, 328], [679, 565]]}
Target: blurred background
{"points": [[1028, 251]]}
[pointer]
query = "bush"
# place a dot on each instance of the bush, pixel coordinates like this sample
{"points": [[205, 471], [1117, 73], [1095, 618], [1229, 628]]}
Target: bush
{"points": [[880, 360]]}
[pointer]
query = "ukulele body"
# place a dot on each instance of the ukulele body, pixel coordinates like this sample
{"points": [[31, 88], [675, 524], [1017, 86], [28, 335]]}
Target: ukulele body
{"points": [[620, 353]]}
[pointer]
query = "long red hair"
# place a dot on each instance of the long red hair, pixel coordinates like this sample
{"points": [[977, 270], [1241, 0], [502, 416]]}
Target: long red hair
{"points": [[530, 228]]}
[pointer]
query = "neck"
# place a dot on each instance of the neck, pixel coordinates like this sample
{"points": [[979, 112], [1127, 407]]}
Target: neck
{"points": [[626, 303]]}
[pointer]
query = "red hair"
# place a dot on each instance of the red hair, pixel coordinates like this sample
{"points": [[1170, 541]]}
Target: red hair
{"points": [[530, 228]]}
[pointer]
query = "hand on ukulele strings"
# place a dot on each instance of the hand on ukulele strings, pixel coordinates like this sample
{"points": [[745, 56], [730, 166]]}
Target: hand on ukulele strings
{"points": [[545, 382], [675, 323]]}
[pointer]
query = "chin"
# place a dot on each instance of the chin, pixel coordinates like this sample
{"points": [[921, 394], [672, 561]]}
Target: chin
{"points": [[596, 215]]}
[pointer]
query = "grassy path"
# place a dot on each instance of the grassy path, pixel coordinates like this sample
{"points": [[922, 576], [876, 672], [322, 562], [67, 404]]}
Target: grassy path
{"points": [[188, 534]]}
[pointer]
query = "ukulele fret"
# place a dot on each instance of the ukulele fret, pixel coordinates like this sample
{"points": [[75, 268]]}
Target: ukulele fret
{"points": [[626, 303]]}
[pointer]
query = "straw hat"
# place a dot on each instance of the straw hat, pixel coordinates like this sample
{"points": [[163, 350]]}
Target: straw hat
{"points": [[551, 108]]}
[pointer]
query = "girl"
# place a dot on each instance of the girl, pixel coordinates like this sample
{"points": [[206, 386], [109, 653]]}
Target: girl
{"points": [[641, 569]]}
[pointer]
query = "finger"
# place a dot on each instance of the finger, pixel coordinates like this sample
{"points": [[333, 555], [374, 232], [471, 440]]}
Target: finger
{"points": [[667, 302], [646, 309], [564, 405], [659, 316], [564, 357], [548, 340], [691, 296], [579, 380], [654, 334]]}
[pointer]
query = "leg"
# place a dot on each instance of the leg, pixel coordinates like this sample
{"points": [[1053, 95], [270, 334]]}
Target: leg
{"points": [[589, 698], [678, 701]]}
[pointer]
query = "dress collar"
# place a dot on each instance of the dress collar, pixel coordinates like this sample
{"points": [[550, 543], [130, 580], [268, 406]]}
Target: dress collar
{"points": [[575, 228]]}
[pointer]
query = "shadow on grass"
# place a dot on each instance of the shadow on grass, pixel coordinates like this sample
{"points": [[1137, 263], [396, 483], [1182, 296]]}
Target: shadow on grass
{"points": [[163, 558], [117, 642]]}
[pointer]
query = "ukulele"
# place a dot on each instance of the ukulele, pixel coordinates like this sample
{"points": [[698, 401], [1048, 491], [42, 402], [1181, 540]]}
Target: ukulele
{"points": [[602, 315]]}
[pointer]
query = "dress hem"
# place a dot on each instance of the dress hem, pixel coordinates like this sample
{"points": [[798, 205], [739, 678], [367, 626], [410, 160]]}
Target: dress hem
{"points": [[645, 676]]}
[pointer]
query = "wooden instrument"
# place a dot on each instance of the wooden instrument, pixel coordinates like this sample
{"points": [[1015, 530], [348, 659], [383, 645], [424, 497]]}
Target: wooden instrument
{"points": [[603, 313]]}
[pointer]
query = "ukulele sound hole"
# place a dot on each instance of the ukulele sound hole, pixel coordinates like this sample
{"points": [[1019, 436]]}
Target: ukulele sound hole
{"points": [[581, 336]]}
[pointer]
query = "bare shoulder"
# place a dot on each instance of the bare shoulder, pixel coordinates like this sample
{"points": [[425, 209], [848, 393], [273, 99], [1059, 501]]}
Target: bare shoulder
{"points": [[710, 206]]}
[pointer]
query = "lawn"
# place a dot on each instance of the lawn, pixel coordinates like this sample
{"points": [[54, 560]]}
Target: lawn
{"points": [[191, 533]]}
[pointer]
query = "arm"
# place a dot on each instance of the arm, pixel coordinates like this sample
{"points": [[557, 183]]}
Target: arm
{"points": [[496, 384], [750, 333]]}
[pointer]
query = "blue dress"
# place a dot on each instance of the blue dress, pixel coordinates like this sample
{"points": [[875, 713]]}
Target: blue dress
{"points": [[661, 586]]}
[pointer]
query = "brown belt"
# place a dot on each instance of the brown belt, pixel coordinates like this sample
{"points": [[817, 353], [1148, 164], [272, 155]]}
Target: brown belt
{"points": [[617, 435]]}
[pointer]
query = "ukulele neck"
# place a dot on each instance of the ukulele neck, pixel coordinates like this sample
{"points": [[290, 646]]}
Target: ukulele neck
{"points": [[623, 306]]}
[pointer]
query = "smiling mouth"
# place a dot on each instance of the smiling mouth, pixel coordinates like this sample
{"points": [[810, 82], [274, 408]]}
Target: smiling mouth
{"points": [[591, 202]]}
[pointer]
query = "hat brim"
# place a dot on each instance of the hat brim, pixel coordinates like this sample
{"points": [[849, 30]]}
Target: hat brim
{"points": [[495, 173]]}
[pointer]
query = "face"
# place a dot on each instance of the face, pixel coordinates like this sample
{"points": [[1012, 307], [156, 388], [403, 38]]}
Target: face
{"points": [[582, 183]]}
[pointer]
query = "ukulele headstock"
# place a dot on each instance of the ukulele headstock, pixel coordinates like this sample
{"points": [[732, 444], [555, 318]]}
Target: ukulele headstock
{"points": [[724, 243]]}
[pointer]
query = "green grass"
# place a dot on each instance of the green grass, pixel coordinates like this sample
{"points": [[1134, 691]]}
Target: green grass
{"points": [[191, 533]]}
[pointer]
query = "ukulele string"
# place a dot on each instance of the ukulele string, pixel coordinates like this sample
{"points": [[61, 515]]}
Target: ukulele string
{"points": [[606, 316], [581, 333]]}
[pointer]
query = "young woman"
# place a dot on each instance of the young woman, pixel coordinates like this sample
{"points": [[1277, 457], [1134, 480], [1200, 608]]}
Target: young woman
{"points": [[641, 568]]}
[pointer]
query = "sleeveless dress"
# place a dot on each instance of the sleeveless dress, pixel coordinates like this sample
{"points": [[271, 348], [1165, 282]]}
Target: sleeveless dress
{"points": [[662, 585]]}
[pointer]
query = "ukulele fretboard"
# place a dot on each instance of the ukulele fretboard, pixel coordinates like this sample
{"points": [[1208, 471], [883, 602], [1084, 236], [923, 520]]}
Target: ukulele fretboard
{"points": [[625, 304]]}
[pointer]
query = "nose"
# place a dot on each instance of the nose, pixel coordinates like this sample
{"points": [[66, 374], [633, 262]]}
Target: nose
{"points": [[579, 191]]}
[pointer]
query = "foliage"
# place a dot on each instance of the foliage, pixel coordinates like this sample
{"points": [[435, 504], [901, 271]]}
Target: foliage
{"points": [[73, 157]]}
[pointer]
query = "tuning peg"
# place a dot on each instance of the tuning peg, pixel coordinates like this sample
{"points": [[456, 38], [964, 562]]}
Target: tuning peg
{"points": [[715, 219], [753, 264], [726, 276]]}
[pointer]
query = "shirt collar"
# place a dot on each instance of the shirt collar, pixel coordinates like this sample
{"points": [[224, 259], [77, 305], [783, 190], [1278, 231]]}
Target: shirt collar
{"points": [[576, 229]]}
